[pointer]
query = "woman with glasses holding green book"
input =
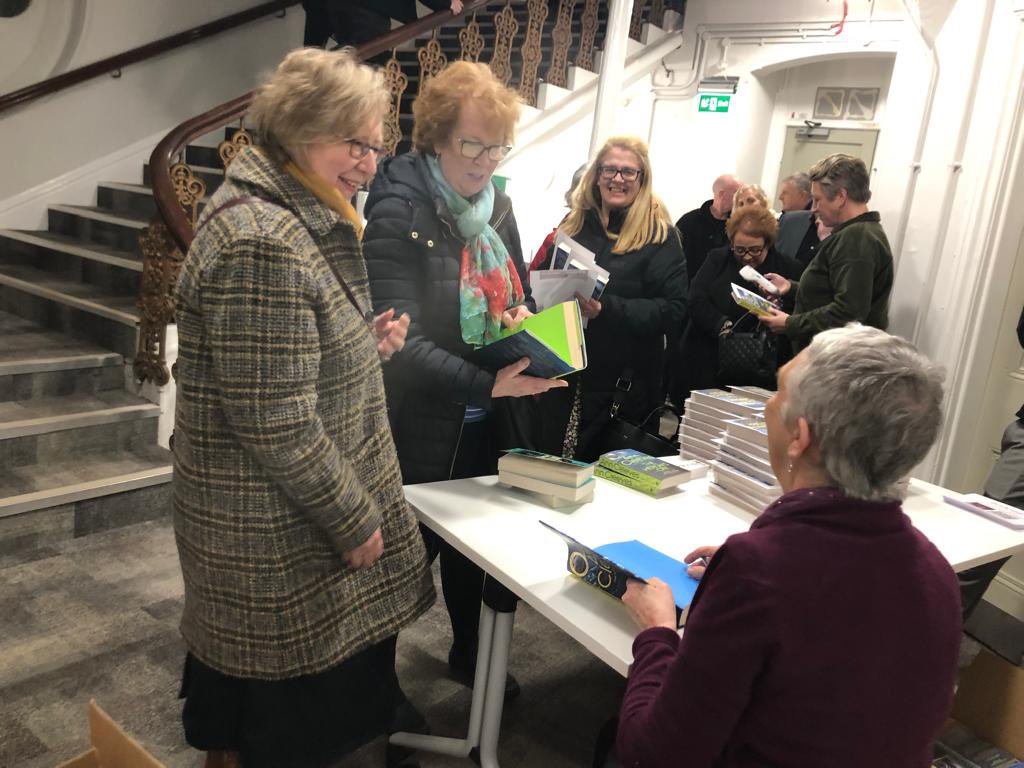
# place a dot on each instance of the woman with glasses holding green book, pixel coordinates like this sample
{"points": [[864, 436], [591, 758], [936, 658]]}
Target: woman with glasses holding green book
{"points": [[442, 245], [751, 230], [616, 214]]}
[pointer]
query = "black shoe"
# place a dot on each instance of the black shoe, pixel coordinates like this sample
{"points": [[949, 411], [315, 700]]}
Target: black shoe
{"points": [[463, 671], [407, 719]]}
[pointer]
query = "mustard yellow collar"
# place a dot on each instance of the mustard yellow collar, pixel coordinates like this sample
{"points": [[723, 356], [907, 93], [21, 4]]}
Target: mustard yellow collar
{"points": [[328, 195]]}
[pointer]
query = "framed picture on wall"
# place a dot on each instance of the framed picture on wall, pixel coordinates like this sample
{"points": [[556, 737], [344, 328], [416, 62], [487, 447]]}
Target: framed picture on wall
{"points": [[829, 103], [861, 103]]}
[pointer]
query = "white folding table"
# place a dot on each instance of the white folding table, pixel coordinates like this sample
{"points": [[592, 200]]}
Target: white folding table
{"points": [[497, 528]]}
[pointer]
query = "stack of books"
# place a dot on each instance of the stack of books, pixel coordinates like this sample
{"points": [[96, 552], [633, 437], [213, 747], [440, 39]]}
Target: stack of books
{"points": [[742, 472], [757, 393], [707, 414], [552, 480], [644, 473]]}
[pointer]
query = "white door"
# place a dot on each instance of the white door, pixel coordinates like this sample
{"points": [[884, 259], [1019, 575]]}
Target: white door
{"points": [[800, 153]]}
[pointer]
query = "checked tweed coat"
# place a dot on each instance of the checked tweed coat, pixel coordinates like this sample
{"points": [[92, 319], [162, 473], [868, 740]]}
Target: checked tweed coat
{"points": [[283, 455]]}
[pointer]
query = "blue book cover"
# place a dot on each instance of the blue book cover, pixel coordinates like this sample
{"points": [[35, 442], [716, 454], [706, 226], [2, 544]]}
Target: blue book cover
{"points": [[610, 566], [544, 361]]}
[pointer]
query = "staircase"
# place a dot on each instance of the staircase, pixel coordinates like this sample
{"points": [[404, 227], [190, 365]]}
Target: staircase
{"points": [[78, 450], [78, 444]]}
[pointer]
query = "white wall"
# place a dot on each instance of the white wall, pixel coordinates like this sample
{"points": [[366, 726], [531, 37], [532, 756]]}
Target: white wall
{"points": [[153, 96]]}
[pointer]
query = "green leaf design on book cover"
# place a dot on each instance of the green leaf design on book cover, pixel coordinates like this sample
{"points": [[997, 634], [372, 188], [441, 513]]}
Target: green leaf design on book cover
{"points": [[630, 460]]}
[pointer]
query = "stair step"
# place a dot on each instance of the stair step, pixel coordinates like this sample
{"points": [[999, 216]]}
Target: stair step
{"points": [[72, 246], [72, 293], [26, 489], [134, 200], [58, 414], [26, 347], [98, 226]]}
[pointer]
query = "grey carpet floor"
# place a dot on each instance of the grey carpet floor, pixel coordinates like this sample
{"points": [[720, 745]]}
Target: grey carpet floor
{"points": [[98, 619]]}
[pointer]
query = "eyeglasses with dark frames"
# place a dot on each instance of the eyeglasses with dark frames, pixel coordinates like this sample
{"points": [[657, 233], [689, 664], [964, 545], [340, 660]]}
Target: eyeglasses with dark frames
{"points": [[609, 172], [748, 250], [359, 149], [472, 149]]}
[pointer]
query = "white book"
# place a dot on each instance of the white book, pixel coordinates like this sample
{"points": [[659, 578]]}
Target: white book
{"points": [[756, 456], [691, 451], [747, 448], [752, 430], [743, 502], [742, 464], [757, 393], [583, 493], [698, 429], [706, 423], [734, 476], [730, 402], [1006, 514]]}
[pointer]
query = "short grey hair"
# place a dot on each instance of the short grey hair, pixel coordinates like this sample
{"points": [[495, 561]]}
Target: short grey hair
{"points": [[801, 181], [841, 171], [873, 404]]}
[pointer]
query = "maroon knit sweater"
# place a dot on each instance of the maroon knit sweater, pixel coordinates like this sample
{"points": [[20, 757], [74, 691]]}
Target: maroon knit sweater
{"points": [[824, 637]]}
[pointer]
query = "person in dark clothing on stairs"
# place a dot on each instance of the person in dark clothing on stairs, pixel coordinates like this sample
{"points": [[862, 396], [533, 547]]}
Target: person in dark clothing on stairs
{"points": [[354, 22], [442, 245]]}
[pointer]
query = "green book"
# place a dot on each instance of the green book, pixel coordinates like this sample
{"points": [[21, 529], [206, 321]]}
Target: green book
{"points": [[630, 482], [552, 339], [644, 469]]}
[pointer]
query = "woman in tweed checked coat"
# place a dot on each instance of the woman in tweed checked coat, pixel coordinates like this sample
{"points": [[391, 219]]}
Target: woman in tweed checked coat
{"points": [[300, 556]]}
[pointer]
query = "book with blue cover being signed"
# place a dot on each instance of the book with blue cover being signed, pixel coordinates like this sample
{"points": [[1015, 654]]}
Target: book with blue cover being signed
{"points": [[609, 568]]}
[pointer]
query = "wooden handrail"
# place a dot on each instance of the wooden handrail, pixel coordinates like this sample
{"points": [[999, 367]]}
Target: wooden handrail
{"points": [[143, 52], [173, 144]]}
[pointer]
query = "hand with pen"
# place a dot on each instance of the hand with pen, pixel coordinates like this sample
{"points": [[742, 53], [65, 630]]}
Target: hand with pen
{"points": [[651, 604]]}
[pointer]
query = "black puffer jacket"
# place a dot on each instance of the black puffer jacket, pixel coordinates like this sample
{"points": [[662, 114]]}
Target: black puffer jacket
{"points": [[413, 253], [645, 300]]}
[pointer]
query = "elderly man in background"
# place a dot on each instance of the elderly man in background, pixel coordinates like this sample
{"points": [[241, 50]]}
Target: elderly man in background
{"points": [[851, 277], [704, 228], [798, 228], [795, 193]]}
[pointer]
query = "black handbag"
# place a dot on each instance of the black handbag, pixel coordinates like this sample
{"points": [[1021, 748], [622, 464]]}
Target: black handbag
{"points": [[621, 433], [747, 357]]}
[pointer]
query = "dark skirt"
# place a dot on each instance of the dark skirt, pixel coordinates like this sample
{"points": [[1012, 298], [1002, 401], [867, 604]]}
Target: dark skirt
{"points": [[301, 722]]}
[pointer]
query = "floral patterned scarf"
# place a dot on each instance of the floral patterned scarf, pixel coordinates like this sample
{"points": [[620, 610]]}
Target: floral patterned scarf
{"points": [[488, 280]]}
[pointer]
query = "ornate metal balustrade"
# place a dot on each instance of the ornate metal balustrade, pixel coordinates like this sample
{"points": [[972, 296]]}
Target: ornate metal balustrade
{"points": [[179, 192]]}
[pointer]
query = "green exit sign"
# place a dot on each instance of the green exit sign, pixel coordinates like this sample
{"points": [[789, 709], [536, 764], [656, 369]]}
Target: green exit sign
{"points": [[713, 103]]}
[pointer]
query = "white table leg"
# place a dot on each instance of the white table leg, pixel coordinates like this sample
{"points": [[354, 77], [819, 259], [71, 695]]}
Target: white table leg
{"points": [[443, 745], [495, 695]]}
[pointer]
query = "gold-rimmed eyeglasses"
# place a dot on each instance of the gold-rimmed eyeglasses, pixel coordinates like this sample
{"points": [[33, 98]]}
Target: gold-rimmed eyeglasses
{"points": [[472, 149]]}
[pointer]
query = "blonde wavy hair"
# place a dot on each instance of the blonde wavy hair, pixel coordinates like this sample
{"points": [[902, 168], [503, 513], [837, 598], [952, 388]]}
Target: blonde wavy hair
{"points": [[436, 109], [316, 95], [647, 220], [753, 221]]}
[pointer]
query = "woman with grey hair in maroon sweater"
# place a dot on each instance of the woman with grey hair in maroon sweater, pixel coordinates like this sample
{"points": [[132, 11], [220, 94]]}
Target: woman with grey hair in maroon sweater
{"points": [[826, 635]]}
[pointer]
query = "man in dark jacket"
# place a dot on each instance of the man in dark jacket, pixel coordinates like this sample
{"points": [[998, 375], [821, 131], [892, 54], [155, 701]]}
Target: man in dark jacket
{"points": [[798, 236], [704, 228]]}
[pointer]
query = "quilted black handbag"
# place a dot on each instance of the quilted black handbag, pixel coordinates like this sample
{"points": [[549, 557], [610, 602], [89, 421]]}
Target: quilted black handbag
{"points": [[747, 357]]}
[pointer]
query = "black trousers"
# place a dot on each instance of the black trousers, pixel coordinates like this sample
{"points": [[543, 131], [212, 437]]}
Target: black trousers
{"points": [[461, 581]]}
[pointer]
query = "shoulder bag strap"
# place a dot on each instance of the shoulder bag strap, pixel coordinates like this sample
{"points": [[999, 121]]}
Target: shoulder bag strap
{"points": [[367, 315]]}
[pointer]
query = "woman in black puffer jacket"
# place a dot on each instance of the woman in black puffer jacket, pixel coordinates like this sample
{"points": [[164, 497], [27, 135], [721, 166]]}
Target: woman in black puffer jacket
{"points": [[441, 244]]}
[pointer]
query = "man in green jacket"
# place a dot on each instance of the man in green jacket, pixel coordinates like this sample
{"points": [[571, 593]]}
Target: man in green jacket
{"points": [[851, 276]]}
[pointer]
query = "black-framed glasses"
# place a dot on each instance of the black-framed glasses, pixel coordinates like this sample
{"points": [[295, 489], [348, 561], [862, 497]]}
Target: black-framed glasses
{"points": [[359, 149], [748, 250], [474, 149], [609, 172]]}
